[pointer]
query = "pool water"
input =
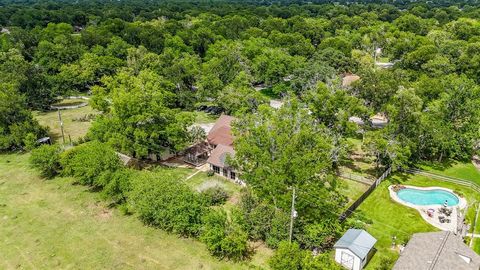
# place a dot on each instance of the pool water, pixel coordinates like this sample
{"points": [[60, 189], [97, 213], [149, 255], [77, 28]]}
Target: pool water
{"points": [[427, 197]]}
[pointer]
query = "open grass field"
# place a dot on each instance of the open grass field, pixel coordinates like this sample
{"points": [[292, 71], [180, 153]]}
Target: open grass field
{"points": [[72, 128], [391, 219], [52, 224]]}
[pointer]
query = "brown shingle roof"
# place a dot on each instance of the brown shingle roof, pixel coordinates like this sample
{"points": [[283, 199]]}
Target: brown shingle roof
{"points": [[219, 155], [437, 251], [221, 132], [348, 79]]}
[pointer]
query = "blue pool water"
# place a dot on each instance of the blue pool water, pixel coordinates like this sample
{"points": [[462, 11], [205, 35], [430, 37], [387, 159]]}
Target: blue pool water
{"points": [[427, 197]]}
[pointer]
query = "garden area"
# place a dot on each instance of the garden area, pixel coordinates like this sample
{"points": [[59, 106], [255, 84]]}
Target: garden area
{"points": [[53, 224]]}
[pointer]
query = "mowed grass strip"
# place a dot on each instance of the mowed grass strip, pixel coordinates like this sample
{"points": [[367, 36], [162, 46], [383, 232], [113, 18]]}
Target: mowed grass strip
{"points": [[52, 224]]}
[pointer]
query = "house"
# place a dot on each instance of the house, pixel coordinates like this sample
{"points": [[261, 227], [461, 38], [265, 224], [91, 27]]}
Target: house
{"points": [[437, 251], [220, 139], [354, 249], [221, 132]]}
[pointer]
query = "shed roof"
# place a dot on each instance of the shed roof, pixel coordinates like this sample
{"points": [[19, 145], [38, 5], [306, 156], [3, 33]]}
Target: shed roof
{"points": [[221, 132], [437, 251], [357, 241], [219, 155]]}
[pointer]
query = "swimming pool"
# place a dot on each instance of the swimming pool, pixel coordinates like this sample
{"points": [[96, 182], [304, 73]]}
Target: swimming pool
{"points": [[427, 197]]}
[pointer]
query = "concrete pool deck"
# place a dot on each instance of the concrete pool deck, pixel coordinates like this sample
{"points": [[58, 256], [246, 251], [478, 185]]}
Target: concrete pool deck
{"points": [[422, 209]]}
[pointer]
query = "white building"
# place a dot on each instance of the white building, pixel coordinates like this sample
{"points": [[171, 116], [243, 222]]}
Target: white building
{"points": [[354, 249]]}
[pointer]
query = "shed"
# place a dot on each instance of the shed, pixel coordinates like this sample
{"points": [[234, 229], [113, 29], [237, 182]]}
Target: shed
{"points": [[354, 249]]}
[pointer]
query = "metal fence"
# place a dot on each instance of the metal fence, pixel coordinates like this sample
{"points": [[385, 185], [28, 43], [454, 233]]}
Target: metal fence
{"points": [[365, 195]]}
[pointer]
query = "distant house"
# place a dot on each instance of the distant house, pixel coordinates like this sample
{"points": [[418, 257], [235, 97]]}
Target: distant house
{"points": [[354, 249], [221, 132], [5, 31], [348, 79], [437, 251]]}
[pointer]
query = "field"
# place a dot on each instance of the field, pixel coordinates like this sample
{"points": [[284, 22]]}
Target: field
{"points": [[391, 219], [72, 128], [351, 189], [56, 225]]}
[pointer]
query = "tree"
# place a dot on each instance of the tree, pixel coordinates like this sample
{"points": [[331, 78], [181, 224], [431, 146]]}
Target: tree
{"points": [[224, 238], [140, 119], [284, 148], [287, 256]]}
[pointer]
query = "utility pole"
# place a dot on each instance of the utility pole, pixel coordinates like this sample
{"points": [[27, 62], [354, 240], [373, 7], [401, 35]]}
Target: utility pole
{"points": [[61, 125], [292, 215]]}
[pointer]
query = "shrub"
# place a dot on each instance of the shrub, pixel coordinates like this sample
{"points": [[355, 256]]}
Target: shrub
{"points": [[210, 173], [117, 184], [287, 256], [46, 158], [215, 195], [167, 204], [224, 238], [386, 263], [90, 162]]}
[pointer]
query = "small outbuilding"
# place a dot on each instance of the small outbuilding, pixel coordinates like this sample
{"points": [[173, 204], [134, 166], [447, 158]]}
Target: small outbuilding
{"points": [[354, 249]]}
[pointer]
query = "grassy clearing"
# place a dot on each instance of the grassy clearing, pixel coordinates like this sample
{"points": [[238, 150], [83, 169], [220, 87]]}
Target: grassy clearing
{"points": [[56, 225], [74, 129], [351, 189], [359, 162], [392, 219], [205, 118], [476, 245]]}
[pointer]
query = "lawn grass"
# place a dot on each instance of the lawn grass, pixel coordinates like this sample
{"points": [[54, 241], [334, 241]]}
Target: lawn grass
{"points": [[351, 189], [476, 245], [204, 118], [392, 219], [74, 129], [52, 224], [462, 170]]}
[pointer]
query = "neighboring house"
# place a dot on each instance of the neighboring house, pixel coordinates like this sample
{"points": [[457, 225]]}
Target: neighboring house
{"points": [[437, 251], [4, 31], [348, 79], [354, 249]]}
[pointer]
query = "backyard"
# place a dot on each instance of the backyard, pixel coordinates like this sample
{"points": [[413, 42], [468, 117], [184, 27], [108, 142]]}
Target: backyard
{"points": [[49, 224], [76, 122], [389, 219]]}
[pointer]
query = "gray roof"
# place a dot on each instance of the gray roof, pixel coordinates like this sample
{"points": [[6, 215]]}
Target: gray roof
{"points": [[357, 241], [437, 251]]}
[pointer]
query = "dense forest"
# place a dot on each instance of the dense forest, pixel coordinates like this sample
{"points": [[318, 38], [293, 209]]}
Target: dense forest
{"points": [[148, 65]]}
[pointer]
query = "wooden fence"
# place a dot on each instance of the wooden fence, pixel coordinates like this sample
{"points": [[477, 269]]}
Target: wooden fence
{"points": [[365, 195], [444, 178]]}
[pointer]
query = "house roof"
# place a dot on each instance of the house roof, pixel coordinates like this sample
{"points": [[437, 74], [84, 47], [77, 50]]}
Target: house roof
{"points": [[219, 155], [357, 241], [221, 132], [437, 251], [348, 79]]}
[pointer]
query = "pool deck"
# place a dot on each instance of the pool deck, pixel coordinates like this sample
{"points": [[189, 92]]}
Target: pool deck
{"points": [[422, 209]]}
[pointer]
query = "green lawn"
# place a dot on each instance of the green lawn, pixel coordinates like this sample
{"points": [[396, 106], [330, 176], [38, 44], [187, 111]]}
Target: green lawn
{"points": [[392, 219], [466, 171], [476, 245], [75, 129], [204, 118], [56, 225], [351, 189]]}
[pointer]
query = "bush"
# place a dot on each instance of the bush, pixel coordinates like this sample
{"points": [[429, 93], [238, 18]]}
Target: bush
{"points": [[223, 238], [210, 173], [46, 158], [215, 195], [167, 204], [288, 256], [386, 263], [117, 185], [91, 163]]}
